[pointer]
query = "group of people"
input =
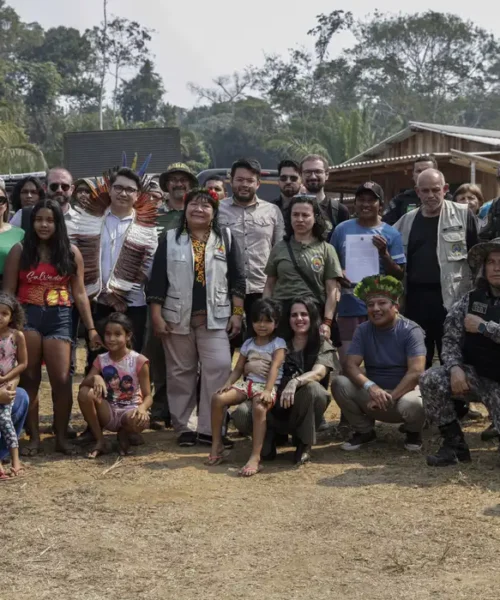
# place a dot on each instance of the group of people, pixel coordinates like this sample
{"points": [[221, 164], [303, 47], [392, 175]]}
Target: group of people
{"points": [[170, 278]]}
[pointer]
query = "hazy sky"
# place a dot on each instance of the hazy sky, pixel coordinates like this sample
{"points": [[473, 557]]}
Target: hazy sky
{"points": [[198, 40]]}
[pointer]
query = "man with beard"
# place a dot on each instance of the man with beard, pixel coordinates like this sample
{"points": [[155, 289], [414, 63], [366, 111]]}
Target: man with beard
{"points": [[177, 181], [59, 187], [256, 225], [289, 181], [314, 173], [471, 355]]}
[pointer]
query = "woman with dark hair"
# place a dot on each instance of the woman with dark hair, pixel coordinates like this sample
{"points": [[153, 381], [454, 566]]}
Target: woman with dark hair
{"points": [[196, 294], [303, 394], [9, 235], [303, 264], [27, 192], [45, 271]]}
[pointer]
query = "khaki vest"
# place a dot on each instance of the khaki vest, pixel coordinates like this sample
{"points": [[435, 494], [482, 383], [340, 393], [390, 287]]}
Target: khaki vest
{"points": [[180, 272], [456, 278]]}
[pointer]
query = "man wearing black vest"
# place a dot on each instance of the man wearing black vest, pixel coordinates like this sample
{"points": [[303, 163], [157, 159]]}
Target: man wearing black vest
{"points": [[471, 357]]}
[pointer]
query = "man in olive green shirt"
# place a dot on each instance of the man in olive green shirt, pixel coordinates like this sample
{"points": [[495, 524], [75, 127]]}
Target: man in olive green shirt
{"points": [[177, 181]]}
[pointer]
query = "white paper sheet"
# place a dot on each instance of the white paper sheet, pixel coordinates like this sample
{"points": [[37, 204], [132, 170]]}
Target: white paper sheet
{"points": [[362, 258]]}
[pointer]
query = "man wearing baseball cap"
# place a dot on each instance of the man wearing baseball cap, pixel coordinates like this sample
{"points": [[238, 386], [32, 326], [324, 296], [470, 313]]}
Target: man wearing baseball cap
{"points": [[176, 181], [369, 198]]}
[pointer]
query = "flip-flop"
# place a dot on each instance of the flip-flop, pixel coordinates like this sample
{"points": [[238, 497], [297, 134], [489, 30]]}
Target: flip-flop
{"points": [[4, 476], [249, 471], [17, 472], [216, 459]]}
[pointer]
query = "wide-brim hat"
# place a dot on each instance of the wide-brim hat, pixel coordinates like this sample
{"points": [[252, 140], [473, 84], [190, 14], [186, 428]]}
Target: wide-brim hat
{"points": [[479, 253], [177, 168]]}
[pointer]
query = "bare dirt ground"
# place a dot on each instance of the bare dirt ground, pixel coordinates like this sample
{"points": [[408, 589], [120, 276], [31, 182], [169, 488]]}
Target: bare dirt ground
{"points": [[377, 524]]}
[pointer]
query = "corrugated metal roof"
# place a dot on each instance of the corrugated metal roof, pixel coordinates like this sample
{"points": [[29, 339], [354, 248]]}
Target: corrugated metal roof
{"points": [[381, 161], [471, 134]]}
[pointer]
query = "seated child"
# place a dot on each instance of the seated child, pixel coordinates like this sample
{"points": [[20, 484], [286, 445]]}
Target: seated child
{"points": [[263, 347], [116, 394]]}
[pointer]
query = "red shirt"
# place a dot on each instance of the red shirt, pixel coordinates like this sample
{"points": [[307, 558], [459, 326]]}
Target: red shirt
{"points": [[43, 286]]}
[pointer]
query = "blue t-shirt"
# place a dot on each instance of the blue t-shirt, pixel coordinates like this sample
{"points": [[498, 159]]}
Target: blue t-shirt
{"points": [[251, 351], [385, 352], [349, 305]]}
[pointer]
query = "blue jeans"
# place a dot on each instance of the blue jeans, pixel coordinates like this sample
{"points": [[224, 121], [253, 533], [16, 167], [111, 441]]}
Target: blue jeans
{"points": [[19, 412]]}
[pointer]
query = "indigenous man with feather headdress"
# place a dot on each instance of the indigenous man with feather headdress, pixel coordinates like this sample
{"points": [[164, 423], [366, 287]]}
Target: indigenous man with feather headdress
{"points": [[115, 230]]}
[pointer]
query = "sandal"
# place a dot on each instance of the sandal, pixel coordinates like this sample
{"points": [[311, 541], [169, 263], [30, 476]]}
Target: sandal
{"points": [[247, 471], [4, 476], [17, 472], [215, 459]]}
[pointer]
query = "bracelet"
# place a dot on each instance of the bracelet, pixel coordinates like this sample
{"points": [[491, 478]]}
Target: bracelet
{"points": [[92, 329], [328, 322], [368, 384], [238, 311]]}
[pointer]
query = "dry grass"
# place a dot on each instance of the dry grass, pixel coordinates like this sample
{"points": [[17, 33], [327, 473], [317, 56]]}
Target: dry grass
{"points": [[377, 524]]}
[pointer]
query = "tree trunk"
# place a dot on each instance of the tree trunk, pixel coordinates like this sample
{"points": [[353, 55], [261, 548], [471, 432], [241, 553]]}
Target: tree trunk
{"points": [[104, 64]]}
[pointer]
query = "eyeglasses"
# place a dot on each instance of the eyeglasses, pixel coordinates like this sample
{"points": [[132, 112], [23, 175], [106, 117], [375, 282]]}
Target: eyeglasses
{"points": [[119, 189], [53, 187], [3, 200], [293, 178]]}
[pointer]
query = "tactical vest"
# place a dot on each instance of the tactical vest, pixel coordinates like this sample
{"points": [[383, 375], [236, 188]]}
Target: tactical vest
{"points": [[479, 351]]}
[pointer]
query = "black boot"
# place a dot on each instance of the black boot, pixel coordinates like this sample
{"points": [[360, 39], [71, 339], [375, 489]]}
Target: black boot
{"points": [[453, 449]]}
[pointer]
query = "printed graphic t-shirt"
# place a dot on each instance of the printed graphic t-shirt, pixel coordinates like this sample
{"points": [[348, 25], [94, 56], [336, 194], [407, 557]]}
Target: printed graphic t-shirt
{"points": [[122, 378]]}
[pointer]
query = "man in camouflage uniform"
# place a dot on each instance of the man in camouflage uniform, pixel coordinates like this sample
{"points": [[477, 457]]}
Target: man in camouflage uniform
{"points": [[471, 357]]}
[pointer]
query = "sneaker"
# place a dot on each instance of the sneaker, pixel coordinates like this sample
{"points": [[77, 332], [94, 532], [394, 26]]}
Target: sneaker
{"points": [[358, 440], [413, 441], [206, 440], [187, 439]]}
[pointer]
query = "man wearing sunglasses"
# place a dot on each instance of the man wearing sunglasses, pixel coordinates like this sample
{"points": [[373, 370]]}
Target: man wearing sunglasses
{"points": [[290, 183], [59, 187]]}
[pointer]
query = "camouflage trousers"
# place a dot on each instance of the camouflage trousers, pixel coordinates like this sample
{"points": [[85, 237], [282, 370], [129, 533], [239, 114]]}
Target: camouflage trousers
{"points": [[438, 400]]}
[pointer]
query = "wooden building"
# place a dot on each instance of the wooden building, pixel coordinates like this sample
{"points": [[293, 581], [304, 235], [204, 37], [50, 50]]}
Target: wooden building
{"points": [[465, 155]]}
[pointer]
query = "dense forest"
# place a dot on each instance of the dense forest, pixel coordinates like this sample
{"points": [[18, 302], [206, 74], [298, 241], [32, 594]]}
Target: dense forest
{"points": [[431, 67]]}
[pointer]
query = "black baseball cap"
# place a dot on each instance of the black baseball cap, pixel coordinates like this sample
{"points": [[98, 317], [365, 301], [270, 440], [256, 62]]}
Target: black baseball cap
{"points": [[370, 186]]}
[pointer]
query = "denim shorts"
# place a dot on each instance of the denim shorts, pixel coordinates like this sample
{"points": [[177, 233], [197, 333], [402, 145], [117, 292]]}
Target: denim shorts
{"points": [[51, 322]]}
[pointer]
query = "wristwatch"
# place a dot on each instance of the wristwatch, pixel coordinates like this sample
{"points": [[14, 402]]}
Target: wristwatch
{"points": [[482, 327]]}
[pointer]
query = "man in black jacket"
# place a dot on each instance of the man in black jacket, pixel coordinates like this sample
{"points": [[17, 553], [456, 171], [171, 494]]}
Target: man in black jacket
{"points": [[408, 200]]}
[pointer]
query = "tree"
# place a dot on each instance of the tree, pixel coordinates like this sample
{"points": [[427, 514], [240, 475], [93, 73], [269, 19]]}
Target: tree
{"points": [[415, 66], [140, 98], [118, 44], [71, 54], [16, 154]]}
